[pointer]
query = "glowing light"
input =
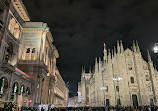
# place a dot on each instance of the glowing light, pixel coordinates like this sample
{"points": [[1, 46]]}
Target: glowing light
{"points": [[155, 48], [104, 88], [30, 101], [117, 78]]}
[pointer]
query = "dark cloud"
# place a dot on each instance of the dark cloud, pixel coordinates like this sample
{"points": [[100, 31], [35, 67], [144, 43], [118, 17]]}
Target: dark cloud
{"points": [[80, 27]]}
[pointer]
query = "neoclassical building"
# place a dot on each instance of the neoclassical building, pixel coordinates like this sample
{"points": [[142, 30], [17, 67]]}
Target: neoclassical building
{"points": [[15, 85], [122, 77], [60, 91], [27, 60], [37, 57]]}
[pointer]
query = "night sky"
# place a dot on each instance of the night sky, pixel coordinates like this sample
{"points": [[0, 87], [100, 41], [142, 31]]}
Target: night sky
{"points": [[80, 27]]}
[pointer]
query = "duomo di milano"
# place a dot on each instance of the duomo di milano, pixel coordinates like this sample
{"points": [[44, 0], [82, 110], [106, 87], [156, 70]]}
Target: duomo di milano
{"points": [[28, 72], [123, 78]]}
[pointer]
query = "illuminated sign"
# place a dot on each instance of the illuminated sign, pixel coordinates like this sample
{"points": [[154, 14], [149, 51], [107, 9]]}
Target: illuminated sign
{"points": [[30, 101]]}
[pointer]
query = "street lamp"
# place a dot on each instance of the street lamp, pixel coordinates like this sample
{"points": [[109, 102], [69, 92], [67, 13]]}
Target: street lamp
{"points": [[155, 48], [117, 79], [104, 88]]}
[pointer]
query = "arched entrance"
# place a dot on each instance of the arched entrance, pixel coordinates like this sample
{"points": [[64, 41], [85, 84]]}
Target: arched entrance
{"points": [[151, 101], [27, 97], [135, 100], [21, 96], [3, 88], [107, 102], [14, 93]]}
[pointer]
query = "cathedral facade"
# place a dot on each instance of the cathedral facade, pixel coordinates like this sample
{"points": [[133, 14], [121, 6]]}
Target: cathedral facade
{"points": [[123, 78]]}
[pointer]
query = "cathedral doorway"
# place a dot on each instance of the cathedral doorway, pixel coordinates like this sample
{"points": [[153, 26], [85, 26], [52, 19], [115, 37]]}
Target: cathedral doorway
{"points": [[3, 88], [151, 102], [107, 102], [135, 100]]}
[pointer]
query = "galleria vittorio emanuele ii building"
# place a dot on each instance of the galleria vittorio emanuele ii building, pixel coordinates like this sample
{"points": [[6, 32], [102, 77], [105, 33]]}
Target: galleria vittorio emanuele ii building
{"points": [[122, 77], [28, 72]]}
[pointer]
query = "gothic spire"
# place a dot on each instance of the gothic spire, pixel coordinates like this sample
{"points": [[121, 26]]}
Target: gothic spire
{"points": [[96, 61], [122, 50], [96, 65], [105, 53], [100, 63], [114, 51], [155, 66], [99, 60], [112, 54], [134, 47], [137, 46], [83, 69], [90, 70], [118, 47], [109, 56], [149, 57]]}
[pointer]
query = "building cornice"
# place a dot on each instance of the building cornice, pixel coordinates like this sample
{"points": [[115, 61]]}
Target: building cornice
{"points": [[33, 29], [19, 6]]}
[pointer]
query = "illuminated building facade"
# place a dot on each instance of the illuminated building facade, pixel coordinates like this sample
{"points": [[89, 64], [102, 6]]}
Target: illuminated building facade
{"points": [[60, 91], [138, 84], [37, 57], [27, 60], [15, 85]]}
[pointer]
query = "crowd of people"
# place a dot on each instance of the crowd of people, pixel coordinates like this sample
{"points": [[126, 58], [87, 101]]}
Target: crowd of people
{"points": [[129, 108]]}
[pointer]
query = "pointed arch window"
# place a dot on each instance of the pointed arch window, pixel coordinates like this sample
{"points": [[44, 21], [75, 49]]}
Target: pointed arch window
{"points": [[14, 28], [33, 50], [130, 65], [28, 50], [151, 101], [132, 79], [147, 78], [117, 88], [149, 88]]}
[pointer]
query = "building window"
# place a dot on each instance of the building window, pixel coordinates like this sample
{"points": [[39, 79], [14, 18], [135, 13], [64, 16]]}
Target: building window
{"points": [[149, 88], [14, 28], [33, 57], [33, 50], [30, 53], [151, 102], [118, 102], [132, 79], [107, 102], [117, 88], [130, 65], [147, 78], [28, 50], [8, 52], [11, 25], [16, 31]]}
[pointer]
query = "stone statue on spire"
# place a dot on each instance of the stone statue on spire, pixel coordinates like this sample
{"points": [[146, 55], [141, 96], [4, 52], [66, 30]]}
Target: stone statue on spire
{"points": [[105, 53]]}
